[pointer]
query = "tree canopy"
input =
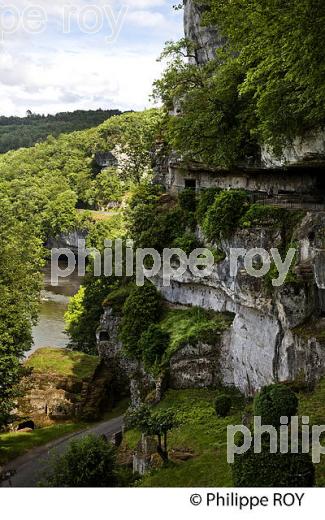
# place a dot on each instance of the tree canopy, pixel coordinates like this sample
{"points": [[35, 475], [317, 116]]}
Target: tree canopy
{"points": [[266, 85]]}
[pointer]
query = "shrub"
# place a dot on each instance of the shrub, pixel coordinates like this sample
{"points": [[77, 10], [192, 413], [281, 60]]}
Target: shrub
{"points": [[222, 405], [187, 242], [259, 215], [187, 199], [153, 344], [273, 402], [117, 298], [273, 469], [89, 462], [145, 193], [224, 215], [142, 308], [206, 199]]}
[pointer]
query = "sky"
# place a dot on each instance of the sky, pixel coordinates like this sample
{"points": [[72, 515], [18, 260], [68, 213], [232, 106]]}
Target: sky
{"points": [[82, 54]]}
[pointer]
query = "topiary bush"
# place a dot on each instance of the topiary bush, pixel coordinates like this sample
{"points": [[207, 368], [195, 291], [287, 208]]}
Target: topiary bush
{"points": [[273, 469], [222, 405], [223, 216], [273, 402]]}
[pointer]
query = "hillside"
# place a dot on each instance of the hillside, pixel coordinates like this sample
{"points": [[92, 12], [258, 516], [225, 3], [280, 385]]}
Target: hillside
{"points": [[23, 132]]}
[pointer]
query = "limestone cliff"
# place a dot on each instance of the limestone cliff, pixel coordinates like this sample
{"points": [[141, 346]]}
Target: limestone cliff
{"points": [[206, 39], [267, 341], [277, 334]]}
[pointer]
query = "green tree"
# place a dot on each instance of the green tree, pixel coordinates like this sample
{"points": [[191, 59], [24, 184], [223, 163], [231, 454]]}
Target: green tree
{"points": [[153, 422], [20, 283], [142, 308], [265, 85], [89, 462], [134, 134]]}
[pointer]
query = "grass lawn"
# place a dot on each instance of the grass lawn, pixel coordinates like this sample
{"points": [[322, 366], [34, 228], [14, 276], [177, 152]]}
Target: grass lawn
{"points": [[63, 362], [206, 435], [14, 444], [200, 431]]}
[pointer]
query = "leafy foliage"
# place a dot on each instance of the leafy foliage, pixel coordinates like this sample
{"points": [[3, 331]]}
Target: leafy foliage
{"points": [[268, 469], [273, 469], [275, 401], [222, 405], [155, 220], [153, 422], [22, 132], [89, 462], [84, 312], [266, 84], [264, 216], [187, 199], [153, 344], [20, 283], [206, 199], [142, 308], [223, 216]]}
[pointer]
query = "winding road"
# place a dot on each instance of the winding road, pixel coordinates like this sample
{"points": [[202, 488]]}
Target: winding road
{"points": [[30, 467]]}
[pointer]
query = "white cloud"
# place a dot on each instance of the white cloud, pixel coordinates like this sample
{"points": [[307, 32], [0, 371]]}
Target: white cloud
{"points": [[53, 72]]}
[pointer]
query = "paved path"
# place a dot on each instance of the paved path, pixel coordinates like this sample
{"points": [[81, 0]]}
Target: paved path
{"points": [[31, 466]]}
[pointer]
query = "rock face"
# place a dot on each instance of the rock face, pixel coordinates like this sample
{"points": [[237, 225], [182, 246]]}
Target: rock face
{"points": [[67, 240], [277, 334], [196, 365], [262, 345], [128, 374], [50, 397], [207, 39]]}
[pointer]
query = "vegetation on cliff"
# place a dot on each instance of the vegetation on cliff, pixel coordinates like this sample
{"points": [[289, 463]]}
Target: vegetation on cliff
{"points": [[266, 85]]}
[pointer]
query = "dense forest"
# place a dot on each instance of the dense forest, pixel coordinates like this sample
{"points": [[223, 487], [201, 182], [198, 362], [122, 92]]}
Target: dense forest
{"points": [[40, 190], [21, 132]]}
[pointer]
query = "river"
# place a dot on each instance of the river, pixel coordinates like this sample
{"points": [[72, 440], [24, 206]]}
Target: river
{"points": [[49, 332]]}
